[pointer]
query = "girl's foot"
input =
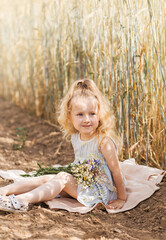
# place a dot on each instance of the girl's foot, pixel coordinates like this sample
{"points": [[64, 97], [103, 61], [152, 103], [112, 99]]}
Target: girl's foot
{"points": [[11, 204]]}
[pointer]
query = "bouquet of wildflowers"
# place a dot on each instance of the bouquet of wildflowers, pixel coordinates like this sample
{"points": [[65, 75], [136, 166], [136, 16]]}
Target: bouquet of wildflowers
{"points": [[85, 172]]}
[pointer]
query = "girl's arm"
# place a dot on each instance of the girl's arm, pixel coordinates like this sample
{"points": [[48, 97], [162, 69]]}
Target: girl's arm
{"points": [[109, 152]]}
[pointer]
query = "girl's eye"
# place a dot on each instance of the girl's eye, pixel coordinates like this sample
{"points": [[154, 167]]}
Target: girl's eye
{"points": [[92, 114], [79, 114]]}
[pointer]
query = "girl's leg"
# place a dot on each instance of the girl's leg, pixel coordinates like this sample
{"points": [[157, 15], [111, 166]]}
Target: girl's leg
{"points": [[24, 185], [50, 189]]}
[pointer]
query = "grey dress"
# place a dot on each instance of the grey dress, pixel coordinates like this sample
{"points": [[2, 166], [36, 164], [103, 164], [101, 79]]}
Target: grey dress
{"points": [[100, 191]]}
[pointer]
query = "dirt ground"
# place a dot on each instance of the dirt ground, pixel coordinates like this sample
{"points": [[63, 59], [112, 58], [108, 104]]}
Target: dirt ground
{"points": [[44, 144]]}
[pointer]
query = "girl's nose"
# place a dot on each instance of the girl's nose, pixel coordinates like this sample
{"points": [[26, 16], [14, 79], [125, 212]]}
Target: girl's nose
{"points": [[86, 118]]}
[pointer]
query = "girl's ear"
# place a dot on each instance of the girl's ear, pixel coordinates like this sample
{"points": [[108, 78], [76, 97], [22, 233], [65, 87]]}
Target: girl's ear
{"points": [[69, 116]]}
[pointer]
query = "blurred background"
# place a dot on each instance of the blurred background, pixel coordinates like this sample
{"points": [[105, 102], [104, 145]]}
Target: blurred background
{"points": [[45, 45]]}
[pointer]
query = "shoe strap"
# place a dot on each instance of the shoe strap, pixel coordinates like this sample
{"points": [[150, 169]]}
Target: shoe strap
{"points": [[16, 204]]}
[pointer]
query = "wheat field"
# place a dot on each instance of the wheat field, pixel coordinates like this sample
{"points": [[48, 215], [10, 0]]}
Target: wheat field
{"points": [[47, 44]]}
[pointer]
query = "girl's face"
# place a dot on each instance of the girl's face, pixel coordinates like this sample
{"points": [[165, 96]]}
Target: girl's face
{"points": [[84, 116]]}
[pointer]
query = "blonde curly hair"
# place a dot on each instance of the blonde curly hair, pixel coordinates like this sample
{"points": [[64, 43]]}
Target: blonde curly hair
{"points": [[86, 88]]}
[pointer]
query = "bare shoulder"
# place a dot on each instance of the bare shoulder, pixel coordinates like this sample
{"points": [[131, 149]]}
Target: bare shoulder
{"points": [[107, 145]]}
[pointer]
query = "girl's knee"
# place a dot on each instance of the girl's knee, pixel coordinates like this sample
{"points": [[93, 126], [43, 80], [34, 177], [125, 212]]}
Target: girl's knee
{"points": [[65, 177]]}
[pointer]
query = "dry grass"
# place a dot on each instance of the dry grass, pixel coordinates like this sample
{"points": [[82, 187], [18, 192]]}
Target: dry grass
{"points": [[47, 44]]}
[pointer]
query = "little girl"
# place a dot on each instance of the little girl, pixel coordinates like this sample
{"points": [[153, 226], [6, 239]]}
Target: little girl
{"points": [[85, 115]]}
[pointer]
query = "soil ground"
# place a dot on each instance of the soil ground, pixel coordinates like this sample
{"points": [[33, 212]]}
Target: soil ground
{"points": [[44, 144]]}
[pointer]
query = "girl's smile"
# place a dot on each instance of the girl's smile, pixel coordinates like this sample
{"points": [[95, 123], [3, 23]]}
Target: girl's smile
{"points": [[85, 116]]}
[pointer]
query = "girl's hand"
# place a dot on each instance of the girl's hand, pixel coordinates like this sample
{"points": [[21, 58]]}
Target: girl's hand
{"points": [[115, 204]]}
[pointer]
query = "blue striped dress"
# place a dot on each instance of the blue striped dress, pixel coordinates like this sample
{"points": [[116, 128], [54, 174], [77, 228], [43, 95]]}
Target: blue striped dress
{"points": [[101, 191]]}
